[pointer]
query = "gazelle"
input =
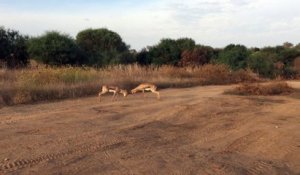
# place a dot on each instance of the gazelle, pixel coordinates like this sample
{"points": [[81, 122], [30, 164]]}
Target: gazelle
{"points": [[114, 89], [146, 87]]}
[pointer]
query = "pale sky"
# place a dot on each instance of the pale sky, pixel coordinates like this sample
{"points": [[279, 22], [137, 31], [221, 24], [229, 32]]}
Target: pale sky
{"points": [[143, 23]]}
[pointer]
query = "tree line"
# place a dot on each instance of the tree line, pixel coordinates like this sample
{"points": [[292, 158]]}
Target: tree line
{"points": [[102, 47]]}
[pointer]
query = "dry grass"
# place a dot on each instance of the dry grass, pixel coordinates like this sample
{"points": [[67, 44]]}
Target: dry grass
{"points": [[274, 88], [32, 85]]}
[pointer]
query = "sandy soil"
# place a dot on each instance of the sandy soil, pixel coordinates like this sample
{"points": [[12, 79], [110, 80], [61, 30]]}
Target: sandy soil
{"points": [[189, 131]]}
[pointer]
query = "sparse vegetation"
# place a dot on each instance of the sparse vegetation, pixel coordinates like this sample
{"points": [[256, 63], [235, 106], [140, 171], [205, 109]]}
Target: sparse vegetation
{"points": [[32, 85], [274, 88]]}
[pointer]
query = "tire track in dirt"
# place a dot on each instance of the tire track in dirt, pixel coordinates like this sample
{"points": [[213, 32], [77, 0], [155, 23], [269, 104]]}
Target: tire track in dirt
{"points": [[245, 141], [287, 149], [33, 116], [44, 113], [260, 168], [284, 149], [72, 138], [79, 150]]}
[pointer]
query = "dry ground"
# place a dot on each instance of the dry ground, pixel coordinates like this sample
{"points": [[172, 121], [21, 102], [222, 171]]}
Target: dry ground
{"points": [[189, 131]]}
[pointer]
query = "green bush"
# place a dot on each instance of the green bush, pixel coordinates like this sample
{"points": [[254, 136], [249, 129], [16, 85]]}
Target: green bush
{"points": [[103, 47], [13, 49], [235, 56], [54, 48], [262, 63], [166, 52]]}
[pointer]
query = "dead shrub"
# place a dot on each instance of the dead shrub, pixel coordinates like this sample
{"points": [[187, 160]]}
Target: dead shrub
{"points": [[297, 66], [222, 74], [274, 88]]}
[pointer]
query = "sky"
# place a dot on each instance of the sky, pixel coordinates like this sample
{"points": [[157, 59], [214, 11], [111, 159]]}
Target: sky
{"points": [[254, 23]]}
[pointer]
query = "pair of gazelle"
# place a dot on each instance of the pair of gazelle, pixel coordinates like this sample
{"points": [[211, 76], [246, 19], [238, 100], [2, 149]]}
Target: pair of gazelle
{"points": [[116, 90]]}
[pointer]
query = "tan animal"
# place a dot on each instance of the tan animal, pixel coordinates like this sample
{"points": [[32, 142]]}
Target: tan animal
{"points": [[114, 89], [146, 87]]}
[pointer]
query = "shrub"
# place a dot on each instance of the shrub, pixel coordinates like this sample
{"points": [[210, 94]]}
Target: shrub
{"points": [[185, 44], [297, 65], [262, 63], [56, 49], [143, 57], [274, 88], [13, 49], [197, 56], [166, 52], [235, 56], [103, 47]]}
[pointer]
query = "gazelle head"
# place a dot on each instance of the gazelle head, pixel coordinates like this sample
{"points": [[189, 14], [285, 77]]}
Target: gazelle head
{"points": [[124, 92], [133, 91]]}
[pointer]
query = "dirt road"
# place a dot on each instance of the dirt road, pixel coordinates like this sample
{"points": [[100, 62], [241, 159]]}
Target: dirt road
{"points": [[189, 131]]}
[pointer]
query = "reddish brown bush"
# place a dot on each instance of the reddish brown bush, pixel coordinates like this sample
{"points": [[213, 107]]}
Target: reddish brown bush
{"points": [[297, 66], [195, 57], [274, 88]]}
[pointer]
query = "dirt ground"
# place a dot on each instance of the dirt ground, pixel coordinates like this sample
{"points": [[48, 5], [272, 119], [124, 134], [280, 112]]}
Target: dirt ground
{"points": [[189, 131]]}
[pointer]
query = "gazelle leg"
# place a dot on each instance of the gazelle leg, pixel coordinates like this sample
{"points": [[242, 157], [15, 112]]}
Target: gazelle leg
{"points": [[157, 93], [143, 92], [99, 95], [115, 95]]}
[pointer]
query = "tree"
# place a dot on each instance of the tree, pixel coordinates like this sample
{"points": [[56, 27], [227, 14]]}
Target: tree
{"points": [[287, 45], [286, 57], [166, 52], [13, 49], [198, 56], [143, 57], [127, 57], [54, 48], [297, 46], [102, 46], [262, 63], [185, 44], [234, 55]]}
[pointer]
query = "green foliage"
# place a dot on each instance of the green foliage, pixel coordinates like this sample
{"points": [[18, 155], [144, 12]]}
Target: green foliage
{"points": [[127, 57], [166, 52], [235, 56], [186, 44], [103, 47], [13, 48], [289, 72], [286, 56], [262, 63], [54, 48], [143, 57]]}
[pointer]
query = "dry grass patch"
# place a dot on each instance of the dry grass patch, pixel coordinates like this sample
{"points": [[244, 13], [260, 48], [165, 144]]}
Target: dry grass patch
{"points": [[274, 88], [43, 84]]}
